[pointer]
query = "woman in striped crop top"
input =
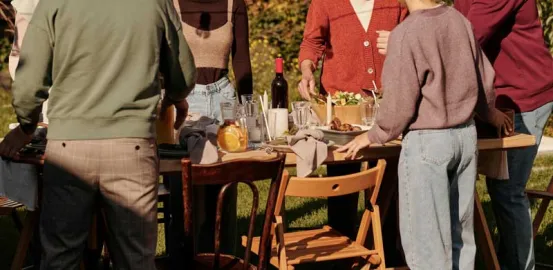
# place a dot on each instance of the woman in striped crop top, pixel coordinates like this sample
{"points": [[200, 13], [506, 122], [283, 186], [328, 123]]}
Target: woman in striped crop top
{"points": [[216, 32]]}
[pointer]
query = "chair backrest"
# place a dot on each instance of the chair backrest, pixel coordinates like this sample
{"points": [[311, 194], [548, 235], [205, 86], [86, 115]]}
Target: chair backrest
{"points": [[228, 174], [337, 185], [369, 180]]}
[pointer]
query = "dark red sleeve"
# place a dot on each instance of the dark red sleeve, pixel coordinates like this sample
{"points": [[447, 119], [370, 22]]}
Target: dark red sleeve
{"points": [[315, 33], [488, 16], [241, 50]]}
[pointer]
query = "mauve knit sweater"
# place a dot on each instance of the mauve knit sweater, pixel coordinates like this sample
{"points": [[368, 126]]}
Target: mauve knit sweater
{"points": [[435, 76]]}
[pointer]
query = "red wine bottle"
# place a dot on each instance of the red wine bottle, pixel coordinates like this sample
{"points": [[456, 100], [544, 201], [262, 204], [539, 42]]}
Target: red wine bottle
{"points": [[279, 87]]}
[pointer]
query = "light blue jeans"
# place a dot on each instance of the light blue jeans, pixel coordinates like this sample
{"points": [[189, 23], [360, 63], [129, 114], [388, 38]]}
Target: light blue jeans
{"points": [[437, 173], [206, 100], [509, 201]]}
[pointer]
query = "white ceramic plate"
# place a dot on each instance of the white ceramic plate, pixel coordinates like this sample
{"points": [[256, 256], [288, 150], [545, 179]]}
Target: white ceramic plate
{"points": [[327, 129]]}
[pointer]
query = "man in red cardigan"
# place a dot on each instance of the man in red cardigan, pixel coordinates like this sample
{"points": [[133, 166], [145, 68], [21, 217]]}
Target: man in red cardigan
{"points": [[511, 35]]}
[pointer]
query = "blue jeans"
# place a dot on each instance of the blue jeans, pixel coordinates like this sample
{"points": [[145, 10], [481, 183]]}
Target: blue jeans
{"points": [[437, 174], [509, 201], [206, 99]]}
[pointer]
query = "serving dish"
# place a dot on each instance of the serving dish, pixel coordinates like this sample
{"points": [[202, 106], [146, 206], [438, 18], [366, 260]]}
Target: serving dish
{"points": [[342, 137]]}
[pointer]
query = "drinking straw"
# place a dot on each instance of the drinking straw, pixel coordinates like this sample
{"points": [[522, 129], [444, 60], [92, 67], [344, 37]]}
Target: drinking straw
{"points": [[374, 95], [265, 117]]}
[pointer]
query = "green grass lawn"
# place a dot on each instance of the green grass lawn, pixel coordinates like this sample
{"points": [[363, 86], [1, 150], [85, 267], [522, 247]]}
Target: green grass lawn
{"points": [[304, 213]]}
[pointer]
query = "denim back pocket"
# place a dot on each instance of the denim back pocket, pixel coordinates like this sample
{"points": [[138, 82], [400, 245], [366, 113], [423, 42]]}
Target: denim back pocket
{"points": [[436, 146]]}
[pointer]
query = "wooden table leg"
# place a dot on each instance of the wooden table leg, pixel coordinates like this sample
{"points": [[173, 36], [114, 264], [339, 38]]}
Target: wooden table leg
{"points": [[176, 245], [25, 237], [483, 236], [30, 228], [387, 201]]}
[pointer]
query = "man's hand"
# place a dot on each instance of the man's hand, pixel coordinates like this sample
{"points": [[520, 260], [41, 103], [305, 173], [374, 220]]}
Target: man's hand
{"points": [[13, 142], [181, 107], [306, 87], [382, 41], [351, 149], [502, 122]]}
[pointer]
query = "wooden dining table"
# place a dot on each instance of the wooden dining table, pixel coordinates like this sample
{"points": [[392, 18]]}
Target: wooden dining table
{"points": [[388, 193], [171, 168]]}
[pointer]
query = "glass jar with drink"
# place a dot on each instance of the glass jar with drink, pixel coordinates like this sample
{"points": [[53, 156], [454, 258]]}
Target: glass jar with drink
{"points": [[232, 136], [165, 131]]}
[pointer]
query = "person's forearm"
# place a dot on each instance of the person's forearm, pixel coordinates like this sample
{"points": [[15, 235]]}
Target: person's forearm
{"points": [[307, 65], [315, 33], [241, 62], [33, 80]]}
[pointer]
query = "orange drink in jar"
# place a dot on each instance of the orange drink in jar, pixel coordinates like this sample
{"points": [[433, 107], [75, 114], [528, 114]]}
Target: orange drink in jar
{"points": [[232, 136]]}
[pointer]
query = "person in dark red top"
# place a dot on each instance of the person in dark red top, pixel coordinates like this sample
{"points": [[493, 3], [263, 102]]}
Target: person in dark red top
{"points": [[511, 35]]}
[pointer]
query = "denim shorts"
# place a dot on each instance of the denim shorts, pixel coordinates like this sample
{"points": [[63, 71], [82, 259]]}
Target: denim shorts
{"points": [[205, 100]]}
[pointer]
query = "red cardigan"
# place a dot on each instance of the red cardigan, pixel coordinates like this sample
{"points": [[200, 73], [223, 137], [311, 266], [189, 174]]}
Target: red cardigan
{"points": [[351, 59], [511, 35]]}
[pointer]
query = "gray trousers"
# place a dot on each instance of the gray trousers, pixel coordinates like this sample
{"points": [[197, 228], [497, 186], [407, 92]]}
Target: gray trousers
{"points": [[124, 174], [437, 173]]}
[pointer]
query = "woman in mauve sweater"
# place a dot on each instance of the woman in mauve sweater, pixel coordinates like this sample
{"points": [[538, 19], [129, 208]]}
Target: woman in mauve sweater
{"points": [[349, 36], [435, 78]]}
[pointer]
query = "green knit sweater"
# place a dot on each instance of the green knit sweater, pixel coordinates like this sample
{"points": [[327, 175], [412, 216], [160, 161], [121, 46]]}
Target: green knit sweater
{"points": [[100, 59]]}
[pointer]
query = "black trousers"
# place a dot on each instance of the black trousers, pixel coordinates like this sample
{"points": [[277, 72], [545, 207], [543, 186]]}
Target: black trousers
{"points": [[342, 210]]}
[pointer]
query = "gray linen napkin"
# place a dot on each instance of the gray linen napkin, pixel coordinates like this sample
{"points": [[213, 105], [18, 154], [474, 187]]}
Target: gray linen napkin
{"points": [[201, 149], [310, 150]]}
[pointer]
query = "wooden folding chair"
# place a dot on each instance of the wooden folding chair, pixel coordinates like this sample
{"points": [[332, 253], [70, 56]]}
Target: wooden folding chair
{"points": [[9, 208], [327, 244], [546, 197], [229, 174]]}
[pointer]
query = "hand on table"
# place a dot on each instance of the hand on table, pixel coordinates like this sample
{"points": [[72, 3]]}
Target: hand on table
{"points": [[181, 108], [503, 122], [14, 141], [351, 149], [382, 41]]}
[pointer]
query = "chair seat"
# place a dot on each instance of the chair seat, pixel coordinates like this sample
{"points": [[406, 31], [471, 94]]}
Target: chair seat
{"points": [[227, 262], [540, 194], [315, 246], [7, 206]]}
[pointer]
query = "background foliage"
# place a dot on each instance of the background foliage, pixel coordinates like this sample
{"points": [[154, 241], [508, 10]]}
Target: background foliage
{"points": [[276, 29]]}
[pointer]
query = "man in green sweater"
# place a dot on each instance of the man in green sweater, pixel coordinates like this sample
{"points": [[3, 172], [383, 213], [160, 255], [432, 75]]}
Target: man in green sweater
{"points": [[101, 60]]}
